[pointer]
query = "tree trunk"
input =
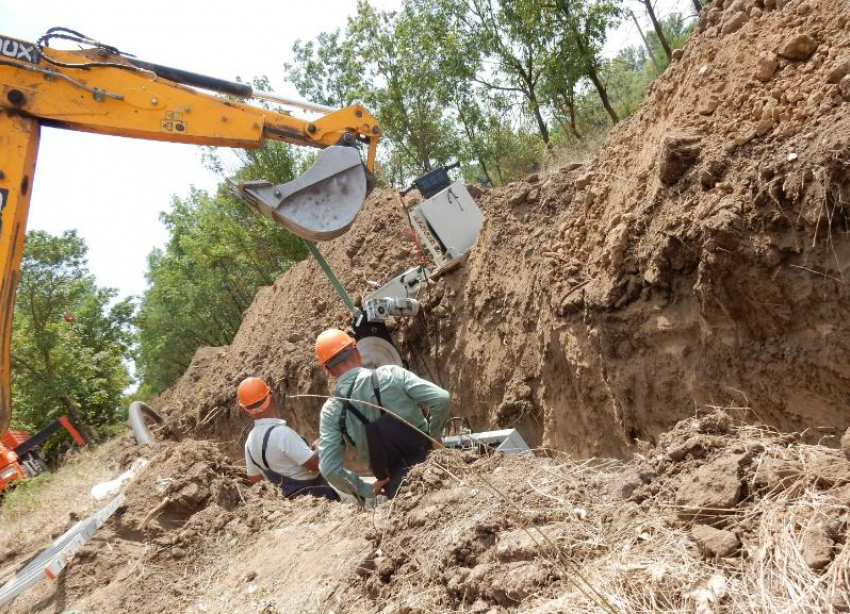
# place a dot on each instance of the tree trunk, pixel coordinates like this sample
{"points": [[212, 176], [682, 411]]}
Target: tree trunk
{"points": [[603, 94], [658, 30], [77, 419], [571, 105], [526, 73], [538, 117], [590, 61], [567, 107], [697, 6], [646, 44], [470, 135]]}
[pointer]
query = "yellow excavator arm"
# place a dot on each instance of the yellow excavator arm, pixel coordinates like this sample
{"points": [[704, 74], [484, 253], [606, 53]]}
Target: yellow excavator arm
{"points": [[104, 91]]}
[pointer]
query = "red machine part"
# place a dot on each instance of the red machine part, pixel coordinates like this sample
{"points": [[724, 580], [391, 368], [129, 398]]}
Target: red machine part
{"points": [[10, 469], [63, 420], [13, 438], [13, 467]]}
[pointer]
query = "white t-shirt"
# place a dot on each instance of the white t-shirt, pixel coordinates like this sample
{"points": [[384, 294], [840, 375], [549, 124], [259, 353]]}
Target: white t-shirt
{"points": [[285, 453]]}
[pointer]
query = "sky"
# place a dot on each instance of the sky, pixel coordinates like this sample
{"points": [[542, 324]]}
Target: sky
{"points": [[112, 189]]}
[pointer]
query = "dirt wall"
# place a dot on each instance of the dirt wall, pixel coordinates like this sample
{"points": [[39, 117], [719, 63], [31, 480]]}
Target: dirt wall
{"points": [[701, 258]]}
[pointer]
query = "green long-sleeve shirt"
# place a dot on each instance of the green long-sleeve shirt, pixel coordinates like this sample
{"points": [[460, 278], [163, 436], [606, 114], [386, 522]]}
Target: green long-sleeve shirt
{"points": [[402, 392]]}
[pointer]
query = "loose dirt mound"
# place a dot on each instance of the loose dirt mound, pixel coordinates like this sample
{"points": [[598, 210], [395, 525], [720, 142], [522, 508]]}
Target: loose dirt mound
{"points": [[183, 516], [717, 518], [700, 258]]}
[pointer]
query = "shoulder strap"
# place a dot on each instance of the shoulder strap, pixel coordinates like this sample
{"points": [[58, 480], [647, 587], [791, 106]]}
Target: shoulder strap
{"points": [[376, 388], [346, 407], [266, 436], [251, 456]]}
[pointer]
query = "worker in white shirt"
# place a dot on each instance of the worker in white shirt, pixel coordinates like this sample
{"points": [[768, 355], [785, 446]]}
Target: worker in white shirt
{"points": [[275, 451]]}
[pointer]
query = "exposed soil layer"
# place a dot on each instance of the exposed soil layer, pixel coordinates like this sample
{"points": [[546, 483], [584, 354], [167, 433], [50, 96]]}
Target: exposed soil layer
{"points": [[701, 258], [717, 518]]}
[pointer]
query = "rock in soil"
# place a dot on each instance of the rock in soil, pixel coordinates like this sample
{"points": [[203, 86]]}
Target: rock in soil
{"points": [[799, 48], [818, 548], [766, 67], [678, 154], [714, 543], [840, 70], [712, 490]]}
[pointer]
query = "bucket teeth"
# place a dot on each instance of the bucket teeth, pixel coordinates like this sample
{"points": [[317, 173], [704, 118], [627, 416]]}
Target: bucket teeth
{"points": [[322, 203]]}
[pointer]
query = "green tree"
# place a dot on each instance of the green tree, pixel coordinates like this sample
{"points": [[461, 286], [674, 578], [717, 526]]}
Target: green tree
{"points": [[408, 93], [218, 253], [391, 62], [583, 26], [477, 80], [70, 339], [327, 71], [510, 34]]}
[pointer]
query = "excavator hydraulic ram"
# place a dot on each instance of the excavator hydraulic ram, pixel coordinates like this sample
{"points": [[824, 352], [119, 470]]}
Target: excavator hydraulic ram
{"points": [[97, 88]]}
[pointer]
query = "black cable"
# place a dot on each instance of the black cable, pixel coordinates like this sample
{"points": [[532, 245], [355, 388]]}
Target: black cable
{"points": [[71, 35], [439, 378]]}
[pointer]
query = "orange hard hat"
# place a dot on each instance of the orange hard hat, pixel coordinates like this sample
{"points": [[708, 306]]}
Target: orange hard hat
{"points": [[331, 343], [254, 395]]}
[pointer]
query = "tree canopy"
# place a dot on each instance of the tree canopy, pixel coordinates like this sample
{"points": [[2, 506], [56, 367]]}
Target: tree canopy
{"points": [[71, 340], [218, 253], [489, 82]]}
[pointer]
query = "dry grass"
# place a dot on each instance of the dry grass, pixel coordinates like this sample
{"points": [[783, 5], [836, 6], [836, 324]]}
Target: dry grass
{"points": [[643, 561], [579, 152], [39, 508], [608, 555], [649, 564]]}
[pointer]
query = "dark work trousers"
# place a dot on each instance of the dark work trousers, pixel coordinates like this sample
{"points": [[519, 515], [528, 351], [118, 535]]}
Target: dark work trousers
{"points": [[317, 487], [398, 473], [394, 446]]}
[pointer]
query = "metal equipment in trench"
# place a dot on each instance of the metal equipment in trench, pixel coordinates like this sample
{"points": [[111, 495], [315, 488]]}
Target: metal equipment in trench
{"points": [[447, 223]]}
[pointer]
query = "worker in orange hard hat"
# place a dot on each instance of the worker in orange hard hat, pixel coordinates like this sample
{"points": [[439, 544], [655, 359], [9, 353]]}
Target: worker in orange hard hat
{"points": [[390, 446], [275, 451]]}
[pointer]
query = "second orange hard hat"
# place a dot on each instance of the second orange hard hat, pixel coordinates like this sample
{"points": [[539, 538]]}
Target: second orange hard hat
{"points": [[254, 395], [331, 343]]}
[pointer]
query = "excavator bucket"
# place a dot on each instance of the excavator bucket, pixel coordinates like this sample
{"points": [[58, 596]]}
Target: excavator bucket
{"points": [[321, 204]]}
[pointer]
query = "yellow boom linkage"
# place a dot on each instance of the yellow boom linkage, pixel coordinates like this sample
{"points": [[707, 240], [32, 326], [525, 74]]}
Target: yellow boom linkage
{"points": [[103, 91]]}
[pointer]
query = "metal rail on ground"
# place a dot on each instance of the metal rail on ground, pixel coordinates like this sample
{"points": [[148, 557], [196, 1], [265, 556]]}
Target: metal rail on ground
{"points": [[51, 562]]}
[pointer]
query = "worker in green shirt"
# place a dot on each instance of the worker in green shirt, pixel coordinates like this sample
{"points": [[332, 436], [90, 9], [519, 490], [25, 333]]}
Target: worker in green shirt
{"points": [[390, 446]]}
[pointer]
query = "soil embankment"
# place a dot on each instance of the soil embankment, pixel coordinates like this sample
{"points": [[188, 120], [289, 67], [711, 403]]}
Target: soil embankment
{"points": [[701, 258], [719, 517]]}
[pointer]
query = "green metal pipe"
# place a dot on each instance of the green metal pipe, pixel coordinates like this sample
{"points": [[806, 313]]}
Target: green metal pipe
{"points": [[335, 282]]}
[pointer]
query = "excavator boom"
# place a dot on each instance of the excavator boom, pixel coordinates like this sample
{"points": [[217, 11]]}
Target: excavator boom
{"points": [[101, 90]]}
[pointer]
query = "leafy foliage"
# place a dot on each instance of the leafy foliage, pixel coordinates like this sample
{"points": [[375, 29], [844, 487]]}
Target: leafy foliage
{"points": [[492, 83], [70, 339], [219, 252]]}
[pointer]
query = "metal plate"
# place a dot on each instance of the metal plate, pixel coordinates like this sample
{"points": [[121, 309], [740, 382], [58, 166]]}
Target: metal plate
{"points": [[50, 562], [454, 218], [322, 203], [377, 352]]}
